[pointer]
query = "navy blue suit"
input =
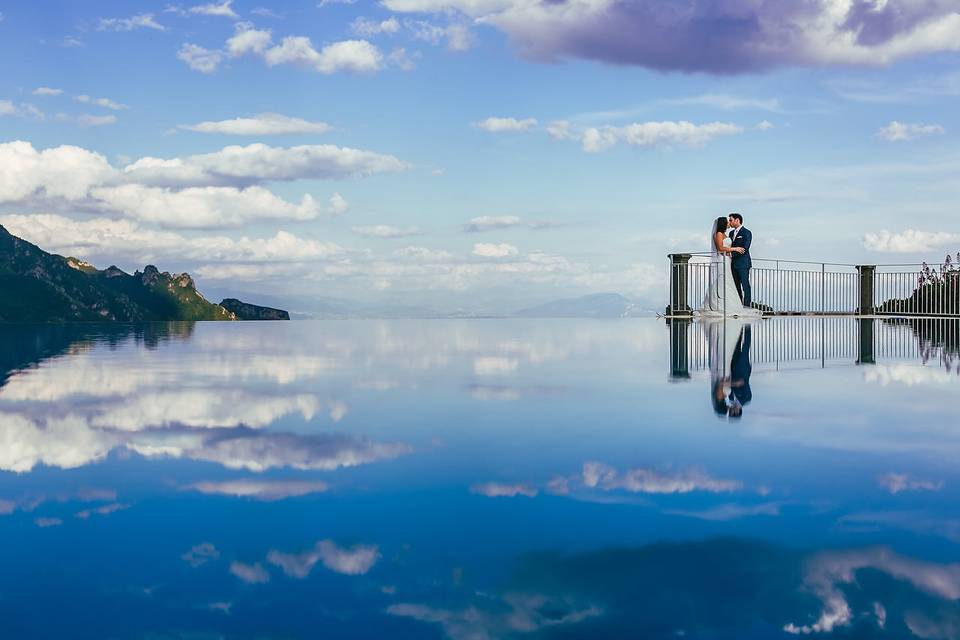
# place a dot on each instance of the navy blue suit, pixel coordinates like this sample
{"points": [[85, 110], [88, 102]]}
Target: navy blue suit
{"points": [[740, 369], [740, 264]]}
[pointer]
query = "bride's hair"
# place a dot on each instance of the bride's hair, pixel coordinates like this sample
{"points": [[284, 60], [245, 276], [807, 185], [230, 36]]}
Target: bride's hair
{"points": [[720, 225]]}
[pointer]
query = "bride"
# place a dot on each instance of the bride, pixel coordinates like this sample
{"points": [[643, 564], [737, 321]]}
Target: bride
{"points": [[722, 295]]}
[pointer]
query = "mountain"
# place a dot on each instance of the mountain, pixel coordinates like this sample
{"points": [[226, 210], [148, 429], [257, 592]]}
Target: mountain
{"points": [[246, 311], [43, 287], [598, 305]]}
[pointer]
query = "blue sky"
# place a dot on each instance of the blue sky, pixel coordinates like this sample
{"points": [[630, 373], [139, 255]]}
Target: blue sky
{"points": [[476, 152]]}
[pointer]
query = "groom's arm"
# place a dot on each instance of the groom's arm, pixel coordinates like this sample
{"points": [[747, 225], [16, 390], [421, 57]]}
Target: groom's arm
{"points": [[747, 239]]}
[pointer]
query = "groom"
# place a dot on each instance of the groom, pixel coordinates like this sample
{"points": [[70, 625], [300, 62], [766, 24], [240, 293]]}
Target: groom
{"points": [[740, 262]]}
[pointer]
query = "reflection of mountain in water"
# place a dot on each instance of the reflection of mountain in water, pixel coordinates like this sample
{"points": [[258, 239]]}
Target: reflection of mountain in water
{"points": [[721, 588], [24, 345], [937, 338]]}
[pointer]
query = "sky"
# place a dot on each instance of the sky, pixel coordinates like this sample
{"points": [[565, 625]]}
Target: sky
{"points": [[483, 154]]}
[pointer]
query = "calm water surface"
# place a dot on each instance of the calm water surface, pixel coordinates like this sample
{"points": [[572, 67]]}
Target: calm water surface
{"points": [[480, 479]]}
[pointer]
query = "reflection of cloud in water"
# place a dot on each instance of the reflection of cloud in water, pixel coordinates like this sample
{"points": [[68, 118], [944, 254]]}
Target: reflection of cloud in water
{"points": [[898, 482], [718, 588], [494, 365], [825, 572], [502, 490], [524, 613], [44, 522], [597, 475], [105, 510], [250, 573], [266, 490], [725, 512], [200, 554], [353, 561], [907, 374]]}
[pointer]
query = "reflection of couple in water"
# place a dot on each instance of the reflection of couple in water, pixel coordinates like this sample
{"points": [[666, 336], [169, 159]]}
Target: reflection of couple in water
{"points": [[730, 367]]}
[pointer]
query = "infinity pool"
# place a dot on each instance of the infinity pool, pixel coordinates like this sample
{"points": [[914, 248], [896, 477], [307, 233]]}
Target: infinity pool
{"points": [[481, 479]]}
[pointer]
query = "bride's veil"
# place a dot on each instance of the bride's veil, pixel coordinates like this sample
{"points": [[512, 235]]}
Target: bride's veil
{"points": [[713, 234]]}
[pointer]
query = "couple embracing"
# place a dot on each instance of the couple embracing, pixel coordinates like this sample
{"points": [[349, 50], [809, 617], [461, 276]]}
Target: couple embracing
{"points": [[728, 292]]}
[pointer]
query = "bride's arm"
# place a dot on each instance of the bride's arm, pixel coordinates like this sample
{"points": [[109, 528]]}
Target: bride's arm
{"points": [[718, 242]]}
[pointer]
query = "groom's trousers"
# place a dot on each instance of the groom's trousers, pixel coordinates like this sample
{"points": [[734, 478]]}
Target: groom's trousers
{"points": [[741, 277]]}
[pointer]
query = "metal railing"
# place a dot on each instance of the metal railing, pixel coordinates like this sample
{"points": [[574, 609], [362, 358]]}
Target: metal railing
{"points": [[789, 343], [791, 287]]}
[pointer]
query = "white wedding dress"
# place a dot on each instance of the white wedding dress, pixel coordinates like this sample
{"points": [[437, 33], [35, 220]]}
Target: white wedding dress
{"points": [[722, 297]]}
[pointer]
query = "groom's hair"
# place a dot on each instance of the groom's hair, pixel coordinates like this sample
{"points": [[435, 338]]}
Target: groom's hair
{"points": [[738, 217]]}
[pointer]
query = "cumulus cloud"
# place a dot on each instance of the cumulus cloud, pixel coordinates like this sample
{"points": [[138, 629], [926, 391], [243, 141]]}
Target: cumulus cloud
{"points": [[366, 27], [385, 231], [200, 58], [502, 490], [101, 102], [266, 490], [126, 238], [263, 124], [353, 561], [140, 21], [909, 241], [248, 39], [250, 573], [740, 36], [213, 9], [656, 134], [456, 35], [208, 190], [500, 125], [901, 131], [898, 482], [490, 250]]}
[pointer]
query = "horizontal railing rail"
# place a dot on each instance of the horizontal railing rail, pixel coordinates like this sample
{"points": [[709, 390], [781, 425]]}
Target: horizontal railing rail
{"points": [[797, 287]]}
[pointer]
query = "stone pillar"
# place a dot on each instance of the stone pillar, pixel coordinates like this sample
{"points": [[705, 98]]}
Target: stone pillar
{"points": [[865, 303], [679, 276], [865, 353], [679, 349]]}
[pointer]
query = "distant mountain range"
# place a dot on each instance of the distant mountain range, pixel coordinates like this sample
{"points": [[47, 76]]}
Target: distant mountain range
{"points": [[38, 286]]}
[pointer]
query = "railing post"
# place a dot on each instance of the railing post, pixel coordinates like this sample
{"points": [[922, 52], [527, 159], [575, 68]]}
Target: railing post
{"points": [[867, 272], [865, 354], [679, 276], [679, 350]]}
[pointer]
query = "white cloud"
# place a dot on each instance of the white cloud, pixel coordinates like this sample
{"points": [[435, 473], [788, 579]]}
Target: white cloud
{"points": [[764, 125], [499, 125], [23, 110], [263, 124], [337, 204], [898, 482], [140, 21], [46, 91], [501, 490], [215, 189], [355, 560], [126, 238], [199, 58], [248, 39], [201, 207], [213, 9], [560, 130], [901, 131], [250, 573], [101, 102], [655, 134], [385, 231], [490, 250], [346, 55], [267, 490], [367, 28], [456, 35], [481, 224], [909, 241], [200, 554]]}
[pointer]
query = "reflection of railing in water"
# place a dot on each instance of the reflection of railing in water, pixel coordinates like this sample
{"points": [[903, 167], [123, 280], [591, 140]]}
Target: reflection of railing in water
{"points": [[820, 342], [786, 287]]}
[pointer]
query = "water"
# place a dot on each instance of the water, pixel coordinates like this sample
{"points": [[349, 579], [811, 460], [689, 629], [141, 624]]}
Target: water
{"points": [[480, 479]]}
